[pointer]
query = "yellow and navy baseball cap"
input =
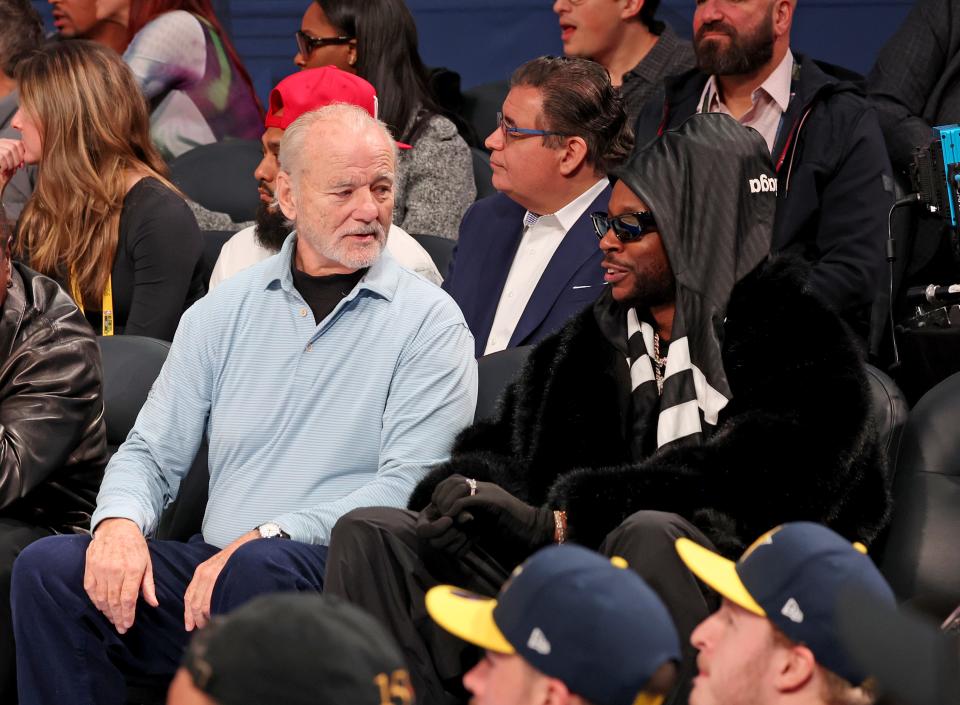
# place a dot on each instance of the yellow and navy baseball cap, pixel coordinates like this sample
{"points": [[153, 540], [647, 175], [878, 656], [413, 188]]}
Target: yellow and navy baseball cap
{"points": [[573, 615], [793, 575]]}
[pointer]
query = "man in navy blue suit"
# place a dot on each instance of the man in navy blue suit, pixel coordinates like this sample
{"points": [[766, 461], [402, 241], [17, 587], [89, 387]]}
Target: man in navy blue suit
{"points": [[527, 259]]}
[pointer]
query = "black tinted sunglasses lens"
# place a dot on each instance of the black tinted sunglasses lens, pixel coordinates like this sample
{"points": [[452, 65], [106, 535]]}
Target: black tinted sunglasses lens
{"points": [[302, 45], [601, 223], [633, 226]]}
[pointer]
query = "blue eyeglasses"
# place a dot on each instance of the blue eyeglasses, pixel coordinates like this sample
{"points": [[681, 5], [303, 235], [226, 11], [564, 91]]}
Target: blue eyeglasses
{"points": [[627, 227], [511, 131]]}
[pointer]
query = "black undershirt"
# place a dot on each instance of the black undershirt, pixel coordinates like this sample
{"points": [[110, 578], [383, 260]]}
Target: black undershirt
{"points": [[322, 294]]}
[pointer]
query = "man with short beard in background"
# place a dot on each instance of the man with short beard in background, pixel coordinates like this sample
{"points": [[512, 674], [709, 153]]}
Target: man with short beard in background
{"points": [[298, 93], [834, 181]]}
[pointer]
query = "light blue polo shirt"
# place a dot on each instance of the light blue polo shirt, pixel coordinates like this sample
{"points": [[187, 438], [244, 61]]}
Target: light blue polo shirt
{"points": [[305, 421]]}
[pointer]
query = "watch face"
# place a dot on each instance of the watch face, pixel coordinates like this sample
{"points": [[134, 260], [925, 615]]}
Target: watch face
{"points": [[268, 531]]}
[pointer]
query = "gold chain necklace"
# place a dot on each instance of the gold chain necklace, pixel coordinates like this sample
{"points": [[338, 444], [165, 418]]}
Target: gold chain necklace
{"points": [[659, 363]]}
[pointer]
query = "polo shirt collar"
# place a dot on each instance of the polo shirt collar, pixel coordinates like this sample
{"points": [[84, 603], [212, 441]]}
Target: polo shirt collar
{"points": [[382, 278]]}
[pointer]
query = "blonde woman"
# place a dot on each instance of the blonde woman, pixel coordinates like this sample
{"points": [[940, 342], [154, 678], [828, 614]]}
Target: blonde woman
{"points": [[103, 219]]}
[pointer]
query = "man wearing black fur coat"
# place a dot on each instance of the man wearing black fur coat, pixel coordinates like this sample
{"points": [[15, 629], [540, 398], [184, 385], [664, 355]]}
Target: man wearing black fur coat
{"points": [[706, 394]]}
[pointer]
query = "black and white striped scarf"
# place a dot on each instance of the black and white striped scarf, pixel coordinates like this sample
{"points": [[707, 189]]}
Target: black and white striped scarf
{"points": [[687, 402]]}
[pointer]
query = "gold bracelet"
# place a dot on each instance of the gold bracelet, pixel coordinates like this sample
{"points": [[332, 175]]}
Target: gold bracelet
{"points": [[560, 521]]}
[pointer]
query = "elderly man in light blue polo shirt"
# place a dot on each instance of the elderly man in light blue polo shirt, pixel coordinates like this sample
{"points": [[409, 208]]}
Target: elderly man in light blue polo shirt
{"points": [[327, 378]]}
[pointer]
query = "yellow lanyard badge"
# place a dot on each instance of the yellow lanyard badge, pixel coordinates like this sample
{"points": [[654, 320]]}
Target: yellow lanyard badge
{"points": [[106, 321]]}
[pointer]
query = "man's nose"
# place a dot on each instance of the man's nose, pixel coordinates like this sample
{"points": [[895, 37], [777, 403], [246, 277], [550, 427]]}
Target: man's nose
{"points": [[610, 242], [709, 11], [367, 208], [494, 141], [701, 635], [263, 172], [474, 678]]}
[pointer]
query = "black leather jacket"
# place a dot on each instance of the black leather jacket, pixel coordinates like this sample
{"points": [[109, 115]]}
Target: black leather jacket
{"points": [[53, 444]]}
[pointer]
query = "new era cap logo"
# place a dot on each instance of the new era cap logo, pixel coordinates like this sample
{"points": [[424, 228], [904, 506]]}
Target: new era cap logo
{"points": [[763, 184], [791, 610], [538, 642]]}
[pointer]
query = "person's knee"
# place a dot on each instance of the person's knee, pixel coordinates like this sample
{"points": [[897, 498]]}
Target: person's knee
{"points": [[365, 526], [251, 559], [651, 524], [50, 560]]}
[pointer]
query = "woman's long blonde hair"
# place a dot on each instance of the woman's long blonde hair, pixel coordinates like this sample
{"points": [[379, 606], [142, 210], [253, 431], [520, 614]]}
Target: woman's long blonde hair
{"points": [[94, 127]]}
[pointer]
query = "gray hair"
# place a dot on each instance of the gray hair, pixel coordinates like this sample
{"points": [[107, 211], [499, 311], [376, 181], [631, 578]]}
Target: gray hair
{"points": [[21, 31], [294, 141]]}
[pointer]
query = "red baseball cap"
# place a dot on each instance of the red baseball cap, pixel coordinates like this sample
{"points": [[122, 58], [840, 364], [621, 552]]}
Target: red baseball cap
{"points": [[312, 89]]}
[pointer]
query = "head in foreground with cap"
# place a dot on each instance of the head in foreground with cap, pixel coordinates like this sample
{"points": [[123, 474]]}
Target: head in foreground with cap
{"points": [[292, 648], [776, 638], [570, 626]]}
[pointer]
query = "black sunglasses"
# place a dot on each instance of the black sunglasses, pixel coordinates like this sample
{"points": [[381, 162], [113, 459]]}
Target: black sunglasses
{"points": [[627, 227], [306, 44]]}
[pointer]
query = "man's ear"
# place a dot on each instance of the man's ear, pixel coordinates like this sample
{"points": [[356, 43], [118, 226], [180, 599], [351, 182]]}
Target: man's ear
{"points": [[631, 8], [285, 197], [573, 153], [795, 669], [558, 694], [783, 16]]}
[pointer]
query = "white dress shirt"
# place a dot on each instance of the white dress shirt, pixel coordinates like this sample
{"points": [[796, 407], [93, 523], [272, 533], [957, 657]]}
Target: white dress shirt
{"points": [[770, 101], [537, 246]]}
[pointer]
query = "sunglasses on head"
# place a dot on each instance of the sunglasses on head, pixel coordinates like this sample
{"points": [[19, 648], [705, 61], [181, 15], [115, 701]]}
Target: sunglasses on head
{"points": [[627, 227]]}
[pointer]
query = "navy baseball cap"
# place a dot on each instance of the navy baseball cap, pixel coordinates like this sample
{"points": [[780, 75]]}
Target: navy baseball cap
{"points": [[573, 615], [298, 648], [793, 575]]}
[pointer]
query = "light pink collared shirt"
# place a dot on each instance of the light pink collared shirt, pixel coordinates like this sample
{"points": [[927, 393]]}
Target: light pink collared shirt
{"points": [[770, 101]]}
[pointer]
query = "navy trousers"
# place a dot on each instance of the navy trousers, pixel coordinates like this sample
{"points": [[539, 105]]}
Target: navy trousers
{"points": [[67, 650]]}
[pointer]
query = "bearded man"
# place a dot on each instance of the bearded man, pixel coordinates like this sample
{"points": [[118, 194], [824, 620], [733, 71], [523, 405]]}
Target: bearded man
{"points": [[327, 378], [299, 93], [690, 400], [833, 177]]}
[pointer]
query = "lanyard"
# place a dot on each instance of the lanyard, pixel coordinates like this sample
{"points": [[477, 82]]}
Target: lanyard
{"points": [[106, 321], [711, 90]]}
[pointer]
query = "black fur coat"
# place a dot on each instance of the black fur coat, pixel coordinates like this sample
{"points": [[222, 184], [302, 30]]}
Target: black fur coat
{"points": [[796, 442]]}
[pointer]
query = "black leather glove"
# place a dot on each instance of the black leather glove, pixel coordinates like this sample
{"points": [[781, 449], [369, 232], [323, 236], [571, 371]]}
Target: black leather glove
{"points": [[443, 533], [447, 492], [495, 507]]}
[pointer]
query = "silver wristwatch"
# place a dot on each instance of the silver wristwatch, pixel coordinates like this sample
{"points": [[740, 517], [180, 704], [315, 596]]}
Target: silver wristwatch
{"points": [[272, 530]]}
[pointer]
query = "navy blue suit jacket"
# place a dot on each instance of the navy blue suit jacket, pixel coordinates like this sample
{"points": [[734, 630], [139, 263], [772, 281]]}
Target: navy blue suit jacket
{"points": [[489, 237]]}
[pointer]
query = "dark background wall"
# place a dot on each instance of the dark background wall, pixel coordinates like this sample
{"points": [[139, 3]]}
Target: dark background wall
{"points": [[485, 39]]}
